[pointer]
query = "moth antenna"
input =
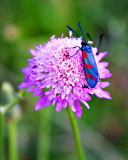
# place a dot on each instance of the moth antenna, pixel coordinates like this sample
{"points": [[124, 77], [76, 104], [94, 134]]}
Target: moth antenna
{"points": [[73, 30], [81, 31]]}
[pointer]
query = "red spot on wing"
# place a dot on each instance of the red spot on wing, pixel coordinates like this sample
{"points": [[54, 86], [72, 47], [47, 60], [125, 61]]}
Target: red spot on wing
{"points": [[90, 66], [84, 54], [86, 65], [93, 77], [88, 75]]}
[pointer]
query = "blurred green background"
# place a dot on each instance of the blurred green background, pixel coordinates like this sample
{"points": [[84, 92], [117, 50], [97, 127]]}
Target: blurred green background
{"points": [[104, 128]]}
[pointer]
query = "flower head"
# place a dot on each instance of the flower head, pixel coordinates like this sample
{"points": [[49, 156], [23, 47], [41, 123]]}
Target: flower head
{"points": [[52, 67]]}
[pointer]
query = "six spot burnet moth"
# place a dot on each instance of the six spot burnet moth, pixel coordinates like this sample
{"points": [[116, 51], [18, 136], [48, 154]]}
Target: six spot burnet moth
{"points": [[90, 67]]}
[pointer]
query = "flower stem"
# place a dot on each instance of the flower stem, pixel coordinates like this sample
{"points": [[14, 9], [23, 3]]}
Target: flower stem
{"points": [[76, 134], [11, 101], [12, 133], [16, 100], [44, 133], [1, 134]]}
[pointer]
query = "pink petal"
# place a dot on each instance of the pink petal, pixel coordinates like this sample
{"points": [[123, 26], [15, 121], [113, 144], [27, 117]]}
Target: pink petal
{"points": [[78, 109], [103, 64], [54, 101], [105, 74], [40, 102], [47, 103], [64, 103], [94, 50], [26, 70], [25, 85], [102, 94], [59, 106], [70, 34], [33, 89], [26, 78], [90, 42], [86, 97], [33, 52], [84, 102], [52, 37], [107, 95], [72, 107], [100, 56], [38, 93], [71, 103], [104, 84]]}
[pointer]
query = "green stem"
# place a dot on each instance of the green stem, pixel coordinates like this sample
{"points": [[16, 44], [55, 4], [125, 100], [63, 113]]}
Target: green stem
{"points": [[44, 133], [76, 134], [12, 132], [14, 101], [8, 94], [1, 134]]}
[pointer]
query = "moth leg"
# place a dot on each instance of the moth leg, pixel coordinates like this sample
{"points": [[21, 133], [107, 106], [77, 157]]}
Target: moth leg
{"points": [[100, 41], [85, 86], [75, 53], [82, 70], [71, 47]]}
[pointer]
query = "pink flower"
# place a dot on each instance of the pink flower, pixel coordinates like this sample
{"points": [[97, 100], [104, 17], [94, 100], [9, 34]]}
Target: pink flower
{"points": [[52, 67]]}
